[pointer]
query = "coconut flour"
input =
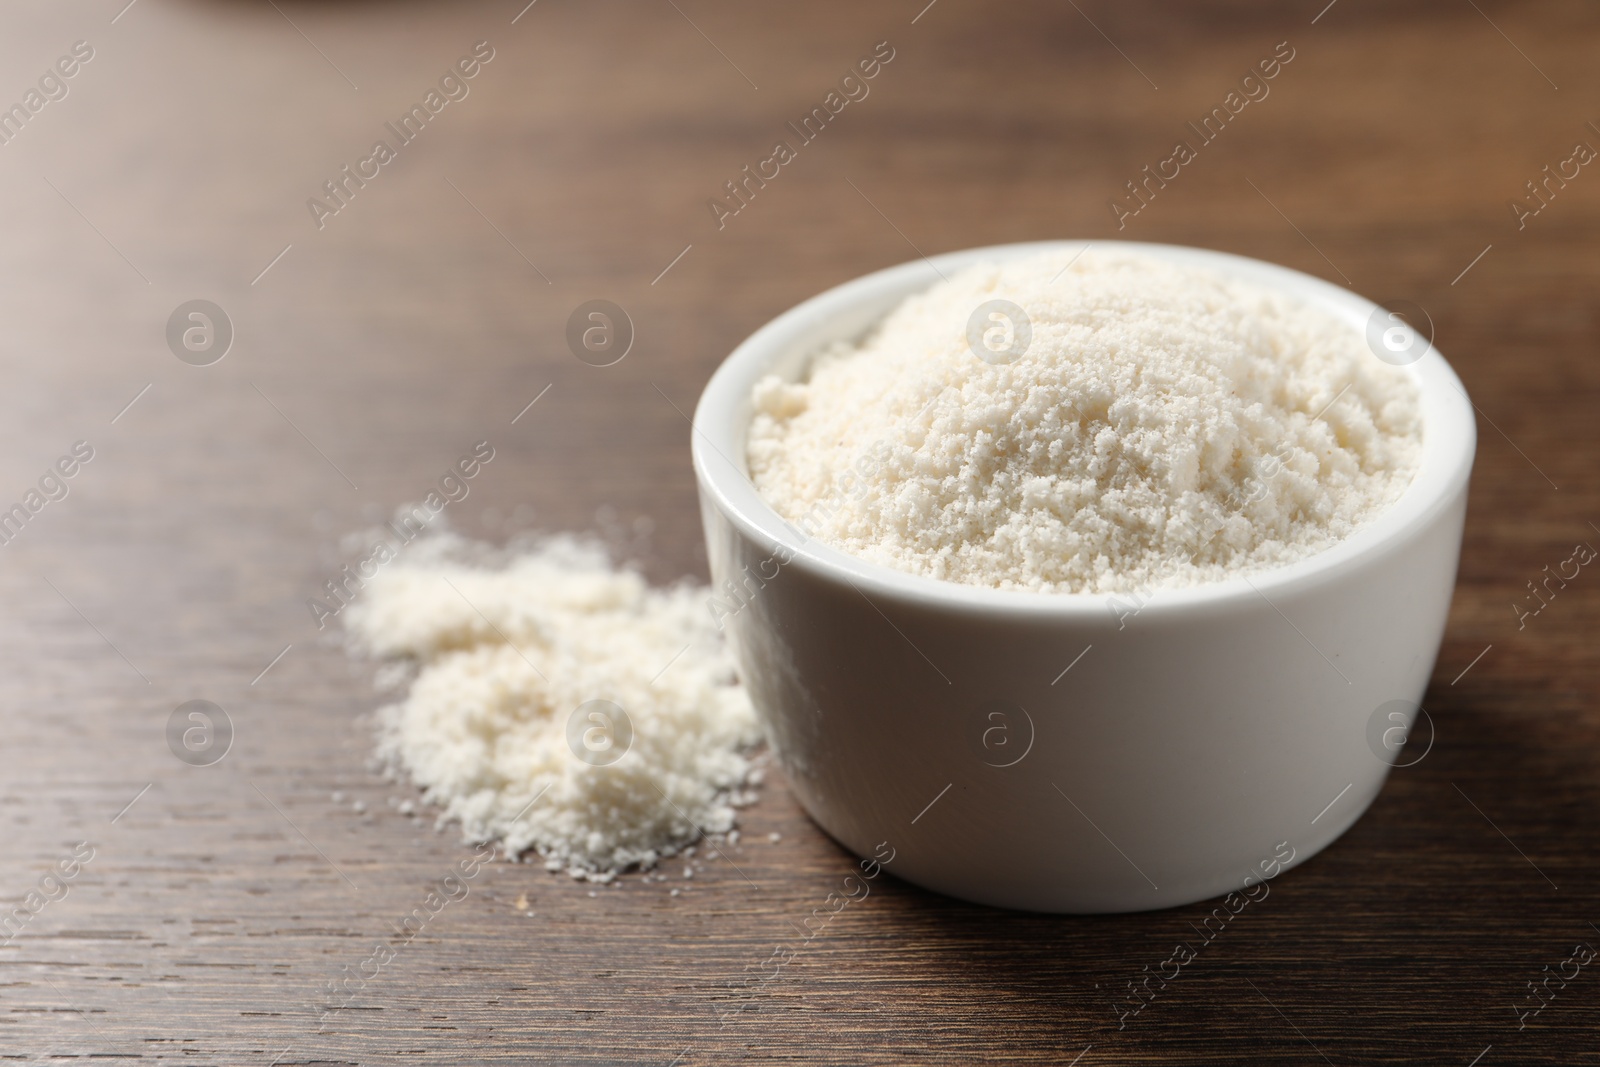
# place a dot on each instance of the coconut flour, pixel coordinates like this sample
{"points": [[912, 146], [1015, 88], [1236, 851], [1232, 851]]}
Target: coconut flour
{"points": [[514, 656], [1162, 426]]}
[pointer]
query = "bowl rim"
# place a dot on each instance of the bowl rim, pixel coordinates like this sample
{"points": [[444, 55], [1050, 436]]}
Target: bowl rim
{"points": [[721, 420]]}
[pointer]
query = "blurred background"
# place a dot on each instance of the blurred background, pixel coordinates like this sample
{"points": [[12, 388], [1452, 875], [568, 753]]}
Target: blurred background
{"points": [[367, 348]]}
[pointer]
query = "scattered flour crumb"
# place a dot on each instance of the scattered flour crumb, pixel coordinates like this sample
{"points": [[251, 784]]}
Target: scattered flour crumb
{"points": [[507, 648]]}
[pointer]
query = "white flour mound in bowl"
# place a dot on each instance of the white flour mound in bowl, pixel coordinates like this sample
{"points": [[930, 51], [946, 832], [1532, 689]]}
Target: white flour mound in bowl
{"points": [[507, 649], [1165, 427]]}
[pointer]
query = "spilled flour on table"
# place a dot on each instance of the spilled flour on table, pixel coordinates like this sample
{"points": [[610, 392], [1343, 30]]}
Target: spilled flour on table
{"points": [[557, 702]]}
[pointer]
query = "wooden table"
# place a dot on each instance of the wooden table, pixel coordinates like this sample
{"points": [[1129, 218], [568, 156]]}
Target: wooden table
{"points": [[430, 310]]}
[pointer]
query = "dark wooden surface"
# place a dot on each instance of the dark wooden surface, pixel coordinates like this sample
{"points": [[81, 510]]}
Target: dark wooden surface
{"points": [[214, 912]]}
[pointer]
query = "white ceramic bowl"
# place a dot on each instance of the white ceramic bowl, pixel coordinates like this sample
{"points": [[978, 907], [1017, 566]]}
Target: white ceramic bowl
{"points": [[1201, 742]]}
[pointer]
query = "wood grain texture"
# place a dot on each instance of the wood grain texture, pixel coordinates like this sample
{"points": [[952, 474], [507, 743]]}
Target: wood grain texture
{"points": [[431, 310]]}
